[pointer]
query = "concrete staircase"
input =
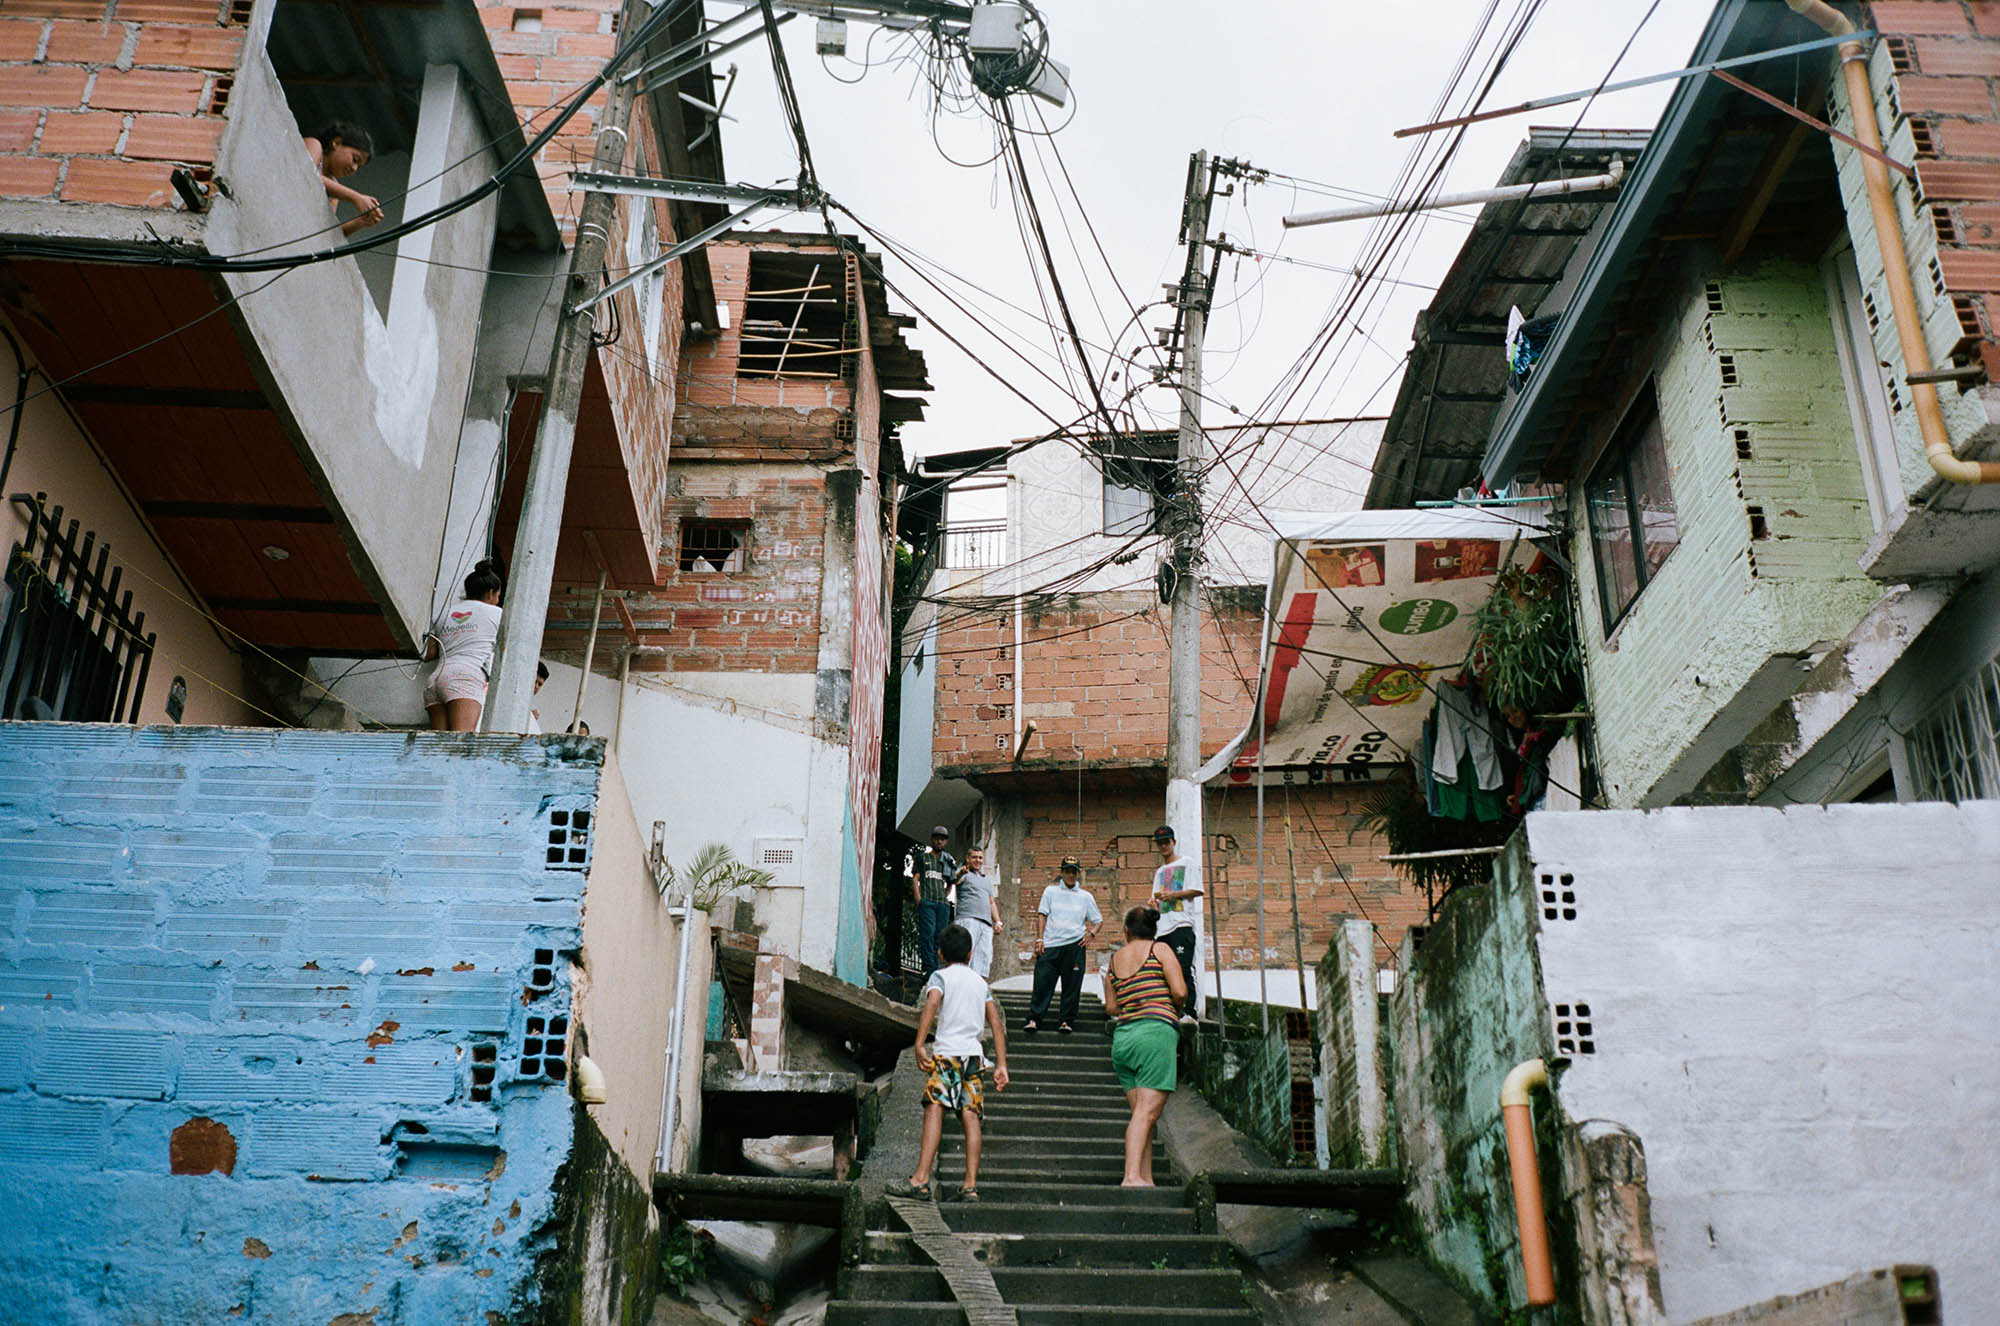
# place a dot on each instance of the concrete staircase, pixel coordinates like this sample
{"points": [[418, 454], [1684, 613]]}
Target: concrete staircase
{"points": [[1063, 1241]]}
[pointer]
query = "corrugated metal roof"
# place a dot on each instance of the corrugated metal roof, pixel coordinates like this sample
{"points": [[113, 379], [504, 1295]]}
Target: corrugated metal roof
{"points": [[1514, 258]]}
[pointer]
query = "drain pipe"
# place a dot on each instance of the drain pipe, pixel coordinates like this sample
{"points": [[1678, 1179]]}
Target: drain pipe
{"points": [[1895, 259], [670, 1087], [1533, 1223]]}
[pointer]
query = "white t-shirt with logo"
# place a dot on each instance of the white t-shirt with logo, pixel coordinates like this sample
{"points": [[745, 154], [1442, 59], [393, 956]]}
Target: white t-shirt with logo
{"points": [[1185, 912], [961, 1012], [466, 633]]}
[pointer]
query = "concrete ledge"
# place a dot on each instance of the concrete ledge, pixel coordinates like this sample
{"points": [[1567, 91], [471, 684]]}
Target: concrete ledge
{"points": [[1886, 1296], [829, 1202]]}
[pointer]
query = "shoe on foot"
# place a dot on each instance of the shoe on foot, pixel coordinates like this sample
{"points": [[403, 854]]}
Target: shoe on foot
{"points": [[1065, 1029], [920, 1191], [963, 1195], [1031, 1026]]}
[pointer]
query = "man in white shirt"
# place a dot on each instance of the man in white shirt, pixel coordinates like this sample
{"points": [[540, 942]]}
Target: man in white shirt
{"points": [[957, 1002], [1177, 895], [1069, 921]]}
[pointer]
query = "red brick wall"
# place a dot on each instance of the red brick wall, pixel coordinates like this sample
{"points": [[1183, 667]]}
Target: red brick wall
{"points": [[644, 393], [1119, 813], [712, 384], [1094, 678], [765, 619], [100, 100], [1946, 54], [543, 68]]}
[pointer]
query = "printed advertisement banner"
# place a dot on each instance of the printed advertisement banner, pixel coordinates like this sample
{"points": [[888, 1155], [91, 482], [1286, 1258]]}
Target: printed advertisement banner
{"points": [[1367, 611]]}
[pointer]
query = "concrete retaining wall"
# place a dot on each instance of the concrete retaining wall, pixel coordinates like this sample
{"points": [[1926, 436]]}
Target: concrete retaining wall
{"points": [[285, 1018]]}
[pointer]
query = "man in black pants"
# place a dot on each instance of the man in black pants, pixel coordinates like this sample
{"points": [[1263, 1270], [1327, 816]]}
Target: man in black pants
{"points": [[1177, 895], [1067, 921]]}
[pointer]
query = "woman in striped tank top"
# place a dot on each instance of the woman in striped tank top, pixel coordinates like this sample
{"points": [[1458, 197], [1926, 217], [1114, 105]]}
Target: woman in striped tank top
{"points": [[1144, 991]]}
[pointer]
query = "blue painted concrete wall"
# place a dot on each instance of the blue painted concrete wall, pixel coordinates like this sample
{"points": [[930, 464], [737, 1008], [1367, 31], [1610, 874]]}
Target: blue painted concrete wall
{"points": [[850, 949], [312, 965]]}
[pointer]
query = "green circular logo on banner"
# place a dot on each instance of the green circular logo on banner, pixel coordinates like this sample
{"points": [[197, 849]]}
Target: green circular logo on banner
{"points": [[1416, 616]]}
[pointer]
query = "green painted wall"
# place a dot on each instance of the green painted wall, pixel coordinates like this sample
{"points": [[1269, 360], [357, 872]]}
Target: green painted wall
{"points": [[1724, 605]]}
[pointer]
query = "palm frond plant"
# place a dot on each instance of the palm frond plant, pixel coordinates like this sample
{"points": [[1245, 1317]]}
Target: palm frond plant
{"points": [[712, 874], [1525, 652], [1394, 808]]}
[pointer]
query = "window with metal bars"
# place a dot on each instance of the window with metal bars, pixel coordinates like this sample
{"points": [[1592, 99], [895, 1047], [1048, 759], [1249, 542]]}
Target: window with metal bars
{"points": [[713, 546], [1954, 751], [71, 648]]}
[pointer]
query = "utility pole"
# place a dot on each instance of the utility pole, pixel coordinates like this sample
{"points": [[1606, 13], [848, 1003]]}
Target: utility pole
{"points": [[531, 575], [1179, 581]]}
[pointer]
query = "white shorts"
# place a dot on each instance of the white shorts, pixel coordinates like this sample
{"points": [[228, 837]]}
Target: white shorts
{"points": [[455, 681], [982, 946]]}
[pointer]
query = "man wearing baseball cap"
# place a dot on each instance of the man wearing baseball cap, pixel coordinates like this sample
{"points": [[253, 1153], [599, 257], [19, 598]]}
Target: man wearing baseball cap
{"points": [[1177, 894], [932, 872], [1069, 919]]}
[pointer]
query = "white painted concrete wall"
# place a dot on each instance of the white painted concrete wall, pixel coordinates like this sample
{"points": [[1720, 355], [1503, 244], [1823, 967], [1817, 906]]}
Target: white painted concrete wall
{"points": [[728, 768], [1798, 1012]]}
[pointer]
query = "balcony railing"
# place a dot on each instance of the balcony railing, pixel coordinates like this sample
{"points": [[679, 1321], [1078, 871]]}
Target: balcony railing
{"points": [[974, 546]]}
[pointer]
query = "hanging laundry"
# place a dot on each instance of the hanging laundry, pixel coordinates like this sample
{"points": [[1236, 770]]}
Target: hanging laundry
{"points": [[1465, 731], [1525, 342]]}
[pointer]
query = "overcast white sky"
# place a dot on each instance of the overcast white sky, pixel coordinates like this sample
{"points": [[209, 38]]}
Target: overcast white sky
{"points": [[1309, 89]]}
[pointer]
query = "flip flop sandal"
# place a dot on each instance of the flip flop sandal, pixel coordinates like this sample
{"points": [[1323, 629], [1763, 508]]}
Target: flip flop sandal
{"points": [[1031, 1026], [964, 1195], [1065, 1030]]}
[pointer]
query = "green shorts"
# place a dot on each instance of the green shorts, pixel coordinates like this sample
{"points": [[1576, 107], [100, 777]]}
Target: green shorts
{"points": [[1143, 1052]]}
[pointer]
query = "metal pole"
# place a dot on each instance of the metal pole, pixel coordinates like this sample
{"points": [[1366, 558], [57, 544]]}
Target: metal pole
{"points": [[1184, 633], [1504, 193], [1298, 937], [670, 1088], [532, 573], [589, 650], [618, 723], [1263, 987]]}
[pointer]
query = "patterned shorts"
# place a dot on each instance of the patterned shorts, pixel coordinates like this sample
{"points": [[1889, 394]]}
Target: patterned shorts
{"points": [[956, 1084]]}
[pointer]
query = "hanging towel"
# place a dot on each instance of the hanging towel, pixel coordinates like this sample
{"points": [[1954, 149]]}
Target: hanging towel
{"points": [[1464, 731]]}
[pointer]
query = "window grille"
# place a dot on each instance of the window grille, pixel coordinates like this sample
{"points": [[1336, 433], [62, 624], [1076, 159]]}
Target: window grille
{"points": [[71, 648], [710, 546], [1954, 752]]}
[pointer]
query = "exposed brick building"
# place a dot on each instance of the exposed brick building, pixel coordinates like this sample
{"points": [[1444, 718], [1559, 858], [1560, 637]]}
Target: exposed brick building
{"points": [[1077, 685]]}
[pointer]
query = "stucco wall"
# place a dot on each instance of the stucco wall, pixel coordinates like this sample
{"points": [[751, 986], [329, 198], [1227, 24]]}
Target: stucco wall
{"points": [[246, 978], [1795, 1011], [373, 403], [1703, 634], [54, 456]]}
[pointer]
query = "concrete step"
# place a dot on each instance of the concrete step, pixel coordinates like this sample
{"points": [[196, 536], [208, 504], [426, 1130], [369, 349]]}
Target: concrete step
{"points": [[1071, 1249], [998, 1168], [1082, 1194], [855, 1313], [1039, 1115], [1051, 1146], [1208, 1287], [989, 1216]]}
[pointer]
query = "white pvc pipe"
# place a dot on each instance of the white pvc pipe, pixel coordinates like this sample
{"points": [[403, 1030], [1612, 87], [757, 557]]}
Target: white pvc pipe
{"points": [[670, 1087], [1546, 189]]}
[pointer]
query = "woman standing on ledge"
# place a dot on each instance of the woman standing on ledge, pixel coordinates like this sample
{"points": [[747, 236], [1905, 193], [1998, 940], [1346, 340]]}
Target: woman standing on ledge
{"points": [[462, 644], [1144, 991]]}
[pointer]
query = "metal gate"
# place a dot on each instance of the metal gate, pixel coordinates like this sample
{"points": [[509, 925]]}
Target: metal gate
{"points": [[71, 648]]}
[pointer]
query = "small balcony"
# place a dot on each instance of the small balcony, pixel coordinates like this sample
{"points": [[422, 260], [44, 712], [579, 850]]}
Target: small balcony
{"points": [[291, 434]]}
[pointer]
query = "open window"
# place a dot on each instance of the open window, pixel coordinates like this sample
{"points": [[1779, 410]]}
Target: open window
{"points": [[1633, 524], [1861, 369], [714, 547], [795, 317], [1139, 482]]}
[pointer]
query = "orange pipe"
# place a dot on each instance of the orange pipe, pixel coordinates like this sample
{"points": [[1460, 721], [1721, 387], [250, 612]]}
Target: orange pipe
{"points": [[1895, 259], [1529, 1217]]}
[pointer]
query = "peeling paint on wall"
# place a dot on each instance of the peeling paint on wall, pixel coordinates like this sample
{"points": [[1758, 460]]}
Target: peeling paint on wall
{"points": [[268, 1000]]}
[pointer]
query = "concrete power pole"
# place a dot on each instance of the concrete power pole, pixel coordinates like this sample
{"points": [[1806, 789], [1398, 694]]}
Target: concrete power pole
{"points": [[1184, 810], [531, 575]]}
